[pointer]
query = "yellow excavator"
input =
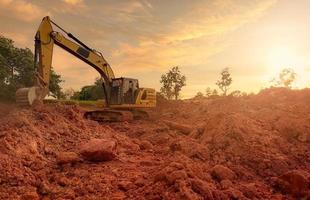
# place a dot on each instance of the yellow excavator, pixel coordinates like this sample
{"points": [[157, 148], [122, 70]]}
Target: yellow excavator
{"points": [[124, 100]]}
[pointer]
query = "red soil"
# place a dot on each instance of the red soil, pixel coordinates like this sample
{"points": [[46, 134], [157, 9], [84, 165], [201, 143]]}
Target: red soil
{"points": [[239, 148]]}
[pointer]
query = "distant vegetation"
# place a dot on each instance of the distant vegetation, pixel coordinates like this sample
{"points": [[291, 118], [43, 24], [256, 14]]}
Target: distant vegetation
{"points": [[225, 81], [285, 79], [17, 70], [172, 83], [91, 92]]}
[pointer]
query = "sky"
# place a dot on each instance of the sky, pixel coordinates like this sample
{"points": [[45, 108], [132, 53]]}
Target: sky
{"points": [[143, 39]]}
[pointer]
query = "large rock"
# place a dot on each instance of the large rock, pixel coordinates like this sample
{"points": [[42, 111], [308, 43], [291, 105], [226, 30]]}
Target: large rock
{"points": [[221, 172], [98, 150], [294, 182], [67, 157], [185, 129]]}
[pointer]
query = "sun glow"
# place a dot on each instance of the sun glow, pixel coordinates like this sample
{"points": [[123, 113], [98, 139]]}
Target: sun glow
{"points": [[283, 57]]}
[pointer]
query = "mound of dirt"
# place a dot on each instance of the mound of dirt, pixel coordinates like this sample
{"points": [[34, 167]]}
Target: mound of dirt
{"points": [[233, 148]]}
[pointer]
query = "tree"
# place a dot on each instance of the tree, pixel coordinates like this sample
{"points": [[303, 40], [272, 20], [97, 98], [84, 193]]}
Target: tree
{"points": [[286, 77], [91, 92], [236, 93], [214, 92], [172, 83], [225, 81], [54, 86], [68, 93], [17, 70], [208, 92], [199, 94], [166, 89]]}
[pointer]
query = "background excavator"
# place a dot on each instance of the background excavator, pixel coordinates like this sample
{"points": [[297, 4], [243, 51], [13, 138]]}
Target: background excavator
{"points": [[124, 100]]}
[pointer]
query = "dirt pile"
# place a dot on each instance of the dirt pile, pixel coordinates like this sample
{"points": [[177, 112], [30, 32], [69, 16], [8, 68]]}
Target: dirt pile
{"points": [[233, 148]]}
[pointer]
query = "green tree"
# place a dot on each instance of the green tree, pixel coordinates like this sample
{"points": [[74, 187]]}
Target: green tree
{"points": [[225, 81], [166, 89], [91, 92], [172, 83], [17, 70], [54, 86]]}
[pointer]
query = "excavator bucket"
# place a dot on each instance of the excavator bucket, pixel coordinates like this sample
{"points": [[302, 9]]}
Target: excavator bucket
{"points": [[29, 96]]}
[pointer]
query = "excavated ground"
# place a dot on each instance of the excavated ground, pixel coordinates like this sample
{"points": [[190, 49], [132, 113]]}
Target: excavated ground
{"points": [[254, 147]]}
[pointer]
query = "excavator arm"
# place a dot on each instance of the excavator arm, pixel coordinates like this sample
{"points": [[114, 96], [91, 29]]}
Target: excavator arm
{"points": [[45, 39]]}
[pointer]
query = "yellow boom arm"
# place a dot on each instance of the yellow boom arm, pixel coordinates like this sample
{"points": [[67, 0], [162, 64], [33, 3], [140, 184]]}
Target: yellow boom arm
{"points": [[45, 39]]}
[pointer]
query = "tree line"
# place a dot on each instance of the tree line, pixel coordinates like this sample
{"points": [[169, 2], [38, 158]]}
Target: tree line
{"points": [[173, 81]]}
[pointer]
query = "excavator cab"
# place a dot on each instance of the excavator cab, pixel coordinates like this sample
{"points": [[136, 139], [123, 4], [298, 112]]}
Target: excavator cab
{"points": [[124, 91]]}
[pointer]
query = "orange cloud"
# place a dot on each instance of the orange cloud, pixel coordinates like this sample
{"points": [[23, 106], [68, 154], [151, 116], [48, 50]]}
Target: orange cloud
{"points": [[192, 37], [21, 9], [73, 2]]}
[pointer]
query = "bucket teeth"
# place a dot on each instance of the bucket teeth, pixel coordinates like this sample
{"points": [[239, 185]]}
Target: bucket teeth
{"points": [[22, 97], [27, 96]]}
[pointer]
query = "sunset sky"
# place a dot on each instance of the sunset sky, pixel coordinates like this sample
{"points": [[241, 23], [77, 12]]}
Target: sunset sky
{"points": [[143, 39]]}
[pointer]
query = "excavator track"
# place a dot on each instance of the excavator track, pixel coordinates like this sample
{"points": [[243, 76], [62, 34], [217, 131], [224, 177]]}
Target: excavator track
{"points": [[140, 114], [115, 115], [109, 115]]}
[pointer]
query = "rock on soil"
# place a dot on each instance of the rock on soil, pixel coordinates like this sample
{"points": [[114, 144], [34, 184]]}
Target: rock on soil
{"points": [[98, 150], [185, 129], [221, 172], [67, 157], [295, 182]]}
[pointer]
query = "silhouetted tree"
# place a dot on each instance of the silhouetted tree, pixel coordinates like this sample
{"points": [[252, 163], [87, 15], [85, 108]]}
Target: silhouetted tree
{"points": [[214, 92], [286, 77], [236, 93], [172, 83], [208, 92], [225, 81], [199, 94]]}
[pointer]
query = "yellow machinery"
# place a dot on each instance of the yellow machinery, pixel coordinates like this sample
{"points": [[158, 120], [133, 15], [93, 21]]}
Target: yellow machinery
{"points": [[123, 96]]}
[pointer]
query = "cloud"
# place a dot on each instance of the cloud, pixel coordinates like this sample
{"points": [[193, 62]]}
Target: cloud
{"points": [[73, 2], [19, 38], [215, 18], [190, 38], [21, 9]]}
